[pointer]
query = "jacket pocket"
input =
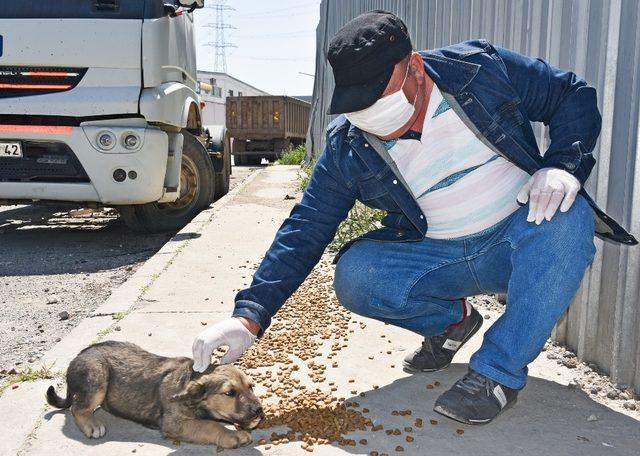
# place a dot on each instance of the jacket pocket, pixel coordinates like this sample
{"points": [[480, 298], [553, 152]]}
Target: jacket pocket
{"points": [[375, 195]]}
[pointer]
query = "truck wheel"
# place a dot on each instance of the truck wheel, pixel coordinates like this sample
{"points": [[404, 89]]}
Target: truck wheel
{"points": [[222, 167], [197, 186], [218, 141]]}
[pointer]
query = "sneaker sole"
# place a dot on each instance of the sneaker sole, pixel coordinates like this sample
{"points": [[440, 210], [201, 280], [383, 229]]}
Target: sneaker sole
{"points": [[449, 414], [409, 368]]}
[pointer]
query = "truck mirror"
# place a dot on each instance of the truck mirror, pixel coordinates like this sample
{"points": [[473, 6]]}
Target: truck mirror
{"points": [[192, 4]]}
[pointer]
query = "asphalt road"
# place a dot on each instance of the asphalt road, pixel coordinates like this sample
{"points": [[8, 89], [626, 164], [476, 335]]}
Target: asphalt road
{"points": [[57, 260]]}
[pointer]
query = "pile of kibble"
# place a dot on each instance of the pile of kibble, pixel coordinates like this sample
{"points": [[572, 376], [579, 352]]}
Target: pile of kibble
{"points": [[305, 336]]}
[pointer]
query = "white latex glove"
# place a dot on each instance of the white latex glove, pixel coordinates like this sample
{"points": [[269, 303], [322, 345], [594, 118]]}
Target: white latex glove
{"points": [[230, 333], [546, 190]]}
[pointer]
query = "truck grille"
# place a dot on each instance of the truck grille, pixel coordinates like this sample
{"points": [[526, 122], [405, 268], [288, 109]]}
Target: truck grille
{"points": [[43, 162], [26, 81]]}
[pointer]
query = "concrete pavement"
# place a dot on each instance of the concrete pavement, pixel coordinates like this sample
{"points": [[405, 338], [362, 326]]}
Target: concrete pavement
{"points": [[192, 281]]}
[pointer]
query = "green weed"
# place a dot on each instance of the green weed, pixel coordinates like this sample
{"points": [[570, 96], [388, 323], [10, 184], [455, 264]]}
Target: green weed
{"points": [[361, 219], [293, 156]]}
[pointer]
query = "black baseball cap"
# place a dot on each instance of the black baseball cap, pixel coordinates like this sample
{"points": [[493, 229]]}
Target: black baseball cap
{"points": [[363, 54]]}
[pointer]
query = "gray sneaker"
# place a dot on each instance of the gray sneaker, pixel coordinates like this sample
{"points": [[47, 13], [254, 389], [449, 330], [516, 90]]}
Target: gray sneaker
{"points": [[437, 352], [475, 399]]}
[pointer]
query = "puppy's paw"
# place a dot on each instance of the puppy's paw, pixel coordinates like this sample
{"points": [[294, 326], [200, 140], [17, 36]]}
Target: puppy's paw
{"points": [[94, 429], [236, 439]]}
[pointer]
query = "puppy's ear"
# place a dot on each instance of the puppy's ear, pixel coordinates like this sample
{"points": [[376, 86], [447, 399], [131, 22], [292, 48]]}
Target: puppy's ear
{"points": [[215, 384], [194, 391]]}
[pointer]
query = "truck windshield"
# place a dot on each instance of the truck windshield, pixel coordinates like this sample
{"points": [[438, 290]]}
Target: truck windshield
{"points": [[82, 9]]}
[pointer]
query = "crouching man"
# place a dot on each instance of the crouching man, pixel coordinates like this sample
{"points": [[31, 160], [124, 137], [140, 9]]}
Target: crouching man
{"points": [[442, 141]]}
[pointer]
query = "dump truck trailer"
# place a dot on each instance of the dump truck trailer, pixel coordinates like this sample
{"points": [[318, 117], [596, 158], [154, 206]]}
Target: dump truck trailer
{"points": [[265, 126]]}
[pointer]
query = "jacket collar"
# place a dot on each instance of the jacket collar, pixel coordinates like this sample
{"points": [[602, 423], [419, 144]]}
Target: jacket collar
{"points": [[449, 74]]}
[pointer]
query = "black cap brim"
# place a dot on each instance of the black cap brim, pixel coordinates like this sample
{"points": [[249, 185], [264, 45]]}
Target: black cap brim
{"points": [[355, 97]]}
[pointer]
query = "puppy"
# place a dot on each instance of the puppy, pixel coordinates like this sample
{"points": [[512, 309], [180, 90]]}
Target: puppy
{"points": [[161, 393]]}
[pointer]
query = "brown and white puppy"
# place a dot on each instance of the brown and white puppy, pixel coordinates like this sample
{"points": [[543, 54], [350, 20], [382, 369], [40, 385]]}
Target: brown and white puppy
{"points": [[161, 393]]}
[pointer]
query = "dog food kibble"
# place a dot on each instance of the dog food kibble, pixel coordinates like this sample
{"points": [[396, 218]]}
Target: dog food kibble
{"points": [[363, 441], [418, 423], [399, 449], [365, 410], [409, 439], [377, 428], [429, 387], [408, 429], [459, 431], [306, 334], [373, 453], [436, 383], [433, 422], [389, 432], [397, 432], [262, 442]]}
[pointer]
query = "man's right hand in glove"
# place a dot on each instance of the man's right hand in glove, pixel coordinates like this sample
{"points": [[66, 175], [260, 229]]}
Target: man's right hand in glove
{"points": [[235, 333]]}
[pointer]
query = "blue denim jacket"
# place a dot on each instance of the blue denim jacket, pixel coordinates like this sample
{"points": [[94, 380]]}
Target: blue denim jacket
{"points": [[497, 93]]}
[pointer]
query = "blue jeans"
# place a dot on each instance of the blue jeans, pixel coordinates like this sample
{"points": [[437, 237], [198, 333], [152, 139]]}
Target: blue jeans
{"points": [[418, 285]]}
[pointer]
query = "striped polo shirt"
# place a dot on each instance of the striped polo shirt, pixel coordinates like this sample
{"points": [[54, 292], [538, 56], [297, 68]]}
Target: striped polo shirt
{"points": [[461, 185]]}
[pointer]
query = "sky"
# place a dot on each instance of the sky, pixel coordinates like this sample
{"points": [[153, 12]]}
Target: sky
{"points": [[276, 40]]}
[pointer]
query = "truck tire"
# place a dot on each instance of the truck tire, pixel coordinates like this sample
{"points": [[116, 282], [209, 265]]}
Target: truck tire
{"points": [[197, 189], [222, 167], [239, 159]]}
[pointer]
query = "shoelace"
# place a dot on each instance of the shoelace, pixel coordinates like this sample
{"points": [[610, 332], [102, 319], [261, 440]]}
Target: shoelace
{"points": [[473, 382]]}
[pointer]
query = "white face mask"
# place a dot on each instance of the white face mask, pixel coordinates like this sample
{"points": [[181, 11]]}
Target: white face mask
{"points": [[386, 115]]}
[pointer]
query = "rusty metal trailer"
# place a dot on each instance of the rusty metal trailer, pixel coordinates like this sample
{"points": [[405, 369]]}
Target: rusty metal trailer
{"points": [[265, 126]]}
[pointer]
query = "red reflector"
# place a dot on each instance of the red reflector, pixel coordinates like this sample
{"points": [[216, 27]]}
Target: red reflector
{"points": [[35, 86], [48, 74], [41, 129]]}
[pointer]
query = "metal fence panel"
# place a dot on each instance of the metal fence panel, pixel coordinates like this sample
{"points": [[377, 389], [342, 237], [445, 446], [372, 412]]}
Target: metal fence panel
{"points": [[599, 40]]}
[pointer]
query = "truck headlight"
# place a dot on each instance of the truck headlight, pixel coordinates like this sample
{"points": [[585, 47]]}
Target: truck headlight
{"points": [[106, 140], [131, 141]]}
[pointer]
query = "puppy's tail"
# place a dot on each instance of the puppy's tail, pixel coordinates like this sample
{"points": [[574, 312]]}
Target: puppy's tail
{"points": [[56, 401]]}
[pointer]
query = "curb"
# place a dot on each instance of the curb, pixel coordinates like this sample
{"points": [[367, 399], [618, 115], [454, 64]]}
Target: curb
{"points": [[126, 296]]}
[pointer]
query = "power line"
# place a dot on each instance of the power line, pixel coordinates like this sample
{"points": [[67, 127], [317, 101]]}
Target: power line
{"points": [[282, 10], [279, 35], [275, 59]]}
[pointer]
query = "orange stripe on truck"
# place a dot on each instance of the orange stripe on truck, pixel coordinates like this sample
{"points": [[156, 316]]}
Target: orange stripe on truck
{"points": [[39, 129], [48, 74], [35, 86]]}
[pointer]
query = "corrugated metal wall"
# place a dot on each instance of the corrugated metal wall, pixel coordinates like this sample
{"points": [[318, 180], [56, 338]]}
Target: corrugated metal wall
{"points": [[598, 39]]}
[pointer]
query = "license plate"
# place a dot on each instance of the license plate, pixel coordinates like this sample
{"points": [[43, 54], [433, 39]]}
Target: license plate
{"points": [[10, 150]]}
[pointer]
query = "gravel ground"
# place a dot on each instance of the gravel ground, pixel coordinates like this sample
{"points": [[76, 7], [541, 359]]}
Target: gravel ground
{"points": [[59, 264]]}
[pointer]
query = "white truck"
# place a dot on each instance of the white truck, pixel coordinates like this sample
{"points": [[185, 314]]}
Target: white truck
{"points": [[98, 105]]}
